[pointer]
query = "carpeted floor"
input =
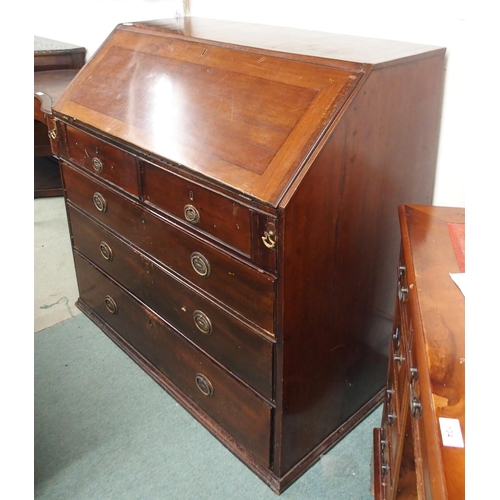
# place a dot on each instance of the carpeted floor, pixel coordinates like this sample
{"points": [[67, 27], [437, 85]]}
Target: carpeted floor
{"points": [[105, 430]]}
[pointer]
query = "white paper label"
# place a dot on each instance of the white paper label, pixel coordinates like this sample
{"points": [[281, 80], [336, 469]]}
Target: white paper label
{"points": [[451, 432]]}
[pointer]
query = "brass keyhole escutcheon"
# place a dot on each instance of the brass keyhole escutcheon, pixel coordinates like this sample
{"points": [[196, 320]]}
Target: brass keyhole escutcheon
{"points": [[204, 385], [111, 305], [100, 202], [106, 251], [191, 214], [202, 322], [200, 264], [97, 164]]}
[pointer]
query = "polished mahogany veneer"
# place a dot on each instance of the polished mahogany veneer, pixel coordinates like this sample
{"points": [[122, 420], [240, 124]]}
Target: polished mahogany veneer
{"points": [[413, 455], [231, 192]]}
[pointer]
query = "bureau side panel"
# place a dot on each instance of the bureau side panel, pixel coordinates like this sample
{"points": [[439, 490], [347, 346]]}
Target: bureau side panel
{"points": [[339, 251]]}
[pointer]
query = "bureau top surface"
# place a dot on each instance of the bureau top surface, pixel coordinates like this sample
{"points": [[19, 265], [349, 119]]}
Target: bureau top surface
{"points": [[241, 116]]}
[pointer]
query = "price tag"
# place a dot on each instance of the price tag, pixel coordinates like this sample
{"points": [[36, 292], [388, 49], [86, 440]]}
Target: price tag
{"points": [[451, 432]]}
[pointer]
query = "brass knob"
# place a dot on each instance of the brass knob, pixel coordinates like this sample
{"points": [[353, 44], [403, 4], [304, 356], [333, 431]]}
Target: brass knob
{"points": [[385, 469], [204, 385], [200, 264], [416, 407], [402, 293], [391, 417], [111, 305], [202, 322], [106, 251], [191, 214], [97, 164], [389, 394], [100, 202], [398, 357]]}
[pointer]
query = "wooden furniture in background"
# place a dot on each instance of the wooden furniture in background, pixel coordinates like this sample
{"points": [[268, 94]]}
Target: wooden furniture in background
{"points": [[56, 64], [426, 376], [231, 192]]}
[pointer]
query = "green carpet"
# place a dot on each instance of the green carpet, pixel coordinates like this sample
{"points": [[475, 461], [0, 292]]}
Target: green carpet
{"points": [[105, 430]]}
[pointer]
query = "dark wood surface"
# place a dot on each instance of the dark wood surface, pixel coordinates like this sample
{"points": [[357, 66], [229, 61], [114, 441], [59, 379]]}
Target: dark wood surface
{"points": [[261, 188], [55, 65], [427, 363], [52, 54]]}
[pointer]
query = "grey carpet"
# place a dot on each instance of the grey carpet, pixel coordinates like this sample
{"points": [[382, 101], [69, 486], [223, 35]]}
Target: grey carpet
{"points": [[105, 430]]}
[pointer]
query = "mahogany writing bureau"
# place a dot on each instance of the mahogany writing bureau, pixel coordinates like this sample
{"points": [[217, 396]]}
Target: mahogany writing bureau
{"points": [[231, 192]]}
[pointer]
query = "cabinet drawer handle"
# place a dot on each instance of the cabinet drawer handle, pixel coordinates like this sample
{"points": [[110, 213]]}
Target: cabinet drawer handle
{"points": [[204, 385], [398, 357], [416, 407], [402, 293], [106, 250], [100, 202], [111, 305], [97, 164], [200, 264], [391, 417], [202, 322], [191, 214]]}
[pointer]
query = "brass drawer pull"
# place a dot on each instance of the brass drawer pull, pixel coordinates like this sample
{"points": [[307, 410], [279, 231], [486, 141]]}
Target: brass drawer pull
{"points": [[269, 239], [111, 305], [398, 357], [106, 251], [200, 264], [391, 417], [204, 385], [202, 322], [402, 293], [100, 202], [191, 214], [416, 407], [97, 164], [53, 134]]}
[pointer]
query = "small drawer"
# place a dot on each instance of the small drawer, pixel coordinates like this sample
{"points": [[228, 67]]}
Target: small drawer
{"points": [[231, 342], [239, 286], [237, 409], [199, 207], [103, 159]]}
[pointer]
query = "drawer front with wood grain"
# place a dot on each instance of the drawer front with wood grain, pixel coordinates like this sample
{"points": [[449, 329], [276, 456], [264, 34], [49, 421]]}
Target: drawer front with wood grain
{"points": [[240, 286], [205, 210], [236, 408], [103, 159], [220, 334]]}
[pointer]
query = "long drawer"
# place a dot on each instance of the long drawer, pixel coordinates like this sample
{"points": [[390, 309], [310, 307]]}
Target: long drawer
{"points": [[230, 341], [242, 287], [237, 409]]}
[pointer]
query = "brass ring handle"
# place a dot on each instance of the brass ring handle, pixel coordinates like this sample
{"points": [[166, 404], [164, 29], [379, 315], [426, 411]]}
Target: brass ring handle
{"points": [[204, 385], [106, 250], [269, 239], [97, 164], [191, 214], [100, 202], [202, 322], [200, 264], [111, 305]]}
